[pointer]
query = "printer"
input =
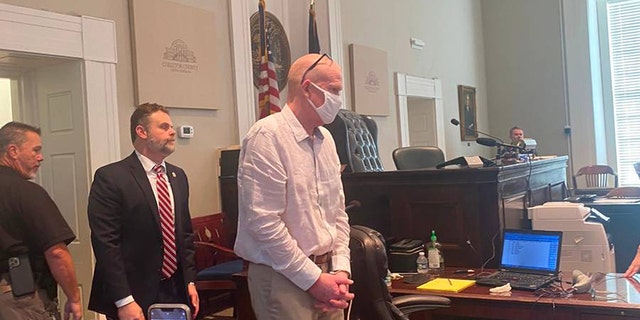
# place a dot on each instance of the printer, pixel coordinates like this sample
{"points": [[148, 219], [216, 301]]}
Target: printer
{"points": [[585, 245]]}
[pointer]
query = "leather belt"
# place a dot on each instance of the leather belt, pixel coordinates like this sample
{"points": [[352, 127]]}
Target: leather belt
{"points": [[321, 259], [5, 283]]}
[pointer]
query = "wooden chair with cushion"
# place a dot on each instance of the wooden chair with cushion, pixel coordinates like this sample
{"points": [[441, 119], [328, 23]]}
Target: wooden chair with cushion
{"points": [[216, 263], [596, 179]]}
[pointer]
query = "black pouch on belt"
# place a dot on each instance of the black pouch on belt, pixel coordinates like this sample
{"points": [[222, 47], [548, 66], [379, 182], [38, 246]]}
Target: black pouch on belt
{"points": [[21, 275]]}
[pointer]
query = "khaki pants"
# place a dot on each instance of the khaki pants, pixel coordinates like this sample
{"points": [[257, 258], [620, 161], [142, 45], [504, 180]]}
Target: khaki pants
{"points": [[36, 306], [274, 297]]}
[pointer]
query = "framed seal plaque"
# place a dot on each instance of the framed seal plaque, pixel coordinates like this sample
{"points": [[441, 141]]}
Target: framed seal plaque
{"points": [[278, 45]]}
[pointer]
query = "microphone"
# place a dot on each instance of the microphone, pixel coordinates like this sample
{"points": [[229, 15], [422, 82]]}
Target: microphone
{"points": [[493, 143], [581, 282], [455, 122]]}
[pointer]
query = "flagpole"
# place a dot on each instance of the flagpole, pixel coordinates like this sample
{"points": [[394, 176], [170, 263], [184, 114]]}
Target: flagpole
{"points": [[268, 92], [314, 41]]}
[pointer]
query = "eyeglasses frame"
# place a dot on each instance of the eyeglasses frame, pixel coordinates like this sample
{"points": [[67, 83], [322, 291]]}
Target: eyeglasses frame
{"points": [[313, 65]]}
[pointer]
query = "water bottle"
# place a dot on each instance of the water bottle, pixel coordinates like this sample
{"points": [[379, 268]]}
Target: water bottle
{"points": [[436, 259], [422, 263]]}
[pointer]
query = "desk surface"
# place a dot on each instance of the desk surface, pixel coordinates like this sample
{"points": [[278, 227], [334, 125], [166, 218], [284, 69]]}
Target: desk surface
{"points": [[616, 298]]}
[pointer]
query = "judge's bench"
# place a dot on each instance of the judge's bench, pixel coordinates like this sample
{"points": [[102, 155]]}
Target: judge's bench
{"points": [[467, 207]]}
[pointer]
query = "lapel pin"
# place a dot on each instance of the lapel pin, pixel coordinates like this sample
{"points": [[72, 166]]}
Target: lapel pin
{"points": [[173, 174]]}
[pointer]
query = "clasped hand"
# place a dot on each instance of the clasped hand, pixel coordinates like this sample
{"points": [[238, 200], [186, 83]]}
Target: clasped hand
{"points": [[331, 291], [634, 267]]}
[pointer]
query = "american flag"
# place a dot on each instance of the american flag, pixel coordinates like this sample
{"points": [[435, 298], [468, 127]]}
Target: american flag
{"points": [[269, 95]]}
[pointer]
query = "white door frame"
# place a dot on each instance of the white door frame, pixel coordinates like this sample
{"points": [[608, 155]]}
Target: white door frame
{"points": [[93, 40]]}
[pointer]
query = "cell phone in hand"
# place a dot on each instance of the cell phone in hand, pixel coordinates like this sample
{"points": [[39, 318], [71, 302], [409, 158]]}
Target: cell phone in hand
{"points": [[169, 311]]}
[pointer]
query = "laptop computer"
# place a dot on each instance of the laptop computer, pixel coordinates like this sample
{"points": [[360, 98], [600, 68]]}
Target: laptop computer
{"points": [[530, 259]]}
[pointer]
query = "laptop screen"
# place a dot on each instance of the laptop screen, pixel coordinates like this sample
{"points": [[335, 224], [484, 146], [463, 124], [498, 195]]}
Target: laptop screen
{"points": [[531, 250]]}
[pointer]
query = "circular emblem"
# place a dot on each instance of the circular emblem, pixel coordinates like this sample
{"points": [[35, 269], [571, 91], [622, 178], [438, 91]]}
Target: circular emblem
{"points": [[278, 45]]}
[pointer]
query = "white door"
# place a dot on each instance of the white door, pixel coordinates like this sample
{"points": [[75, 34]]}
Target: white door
{"points": [[64, 172], [422, 122]]}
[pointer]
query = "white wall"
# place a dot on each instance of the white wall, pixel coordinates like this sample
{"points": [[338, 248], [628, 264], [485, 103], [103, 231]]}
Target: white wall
{"points": [[214, 129], [453, 52], [518, 42], [526, 81], [524, 70]]}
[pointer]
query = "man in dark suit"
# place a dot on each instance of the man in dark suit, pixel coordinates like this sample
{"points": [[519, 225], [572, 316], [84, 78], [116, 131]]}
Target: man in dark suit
{"points": [[141, 258]]}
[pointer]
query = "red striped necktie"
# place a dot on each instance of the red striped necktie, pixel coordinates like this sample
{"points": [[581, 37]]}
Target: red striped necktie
{"points": [[165, 210]]}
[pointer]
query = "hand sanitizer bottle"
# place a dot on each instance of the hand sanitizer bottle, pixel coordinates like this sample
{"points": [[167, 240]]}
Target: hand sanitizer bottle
{"points": [[435, 257]]}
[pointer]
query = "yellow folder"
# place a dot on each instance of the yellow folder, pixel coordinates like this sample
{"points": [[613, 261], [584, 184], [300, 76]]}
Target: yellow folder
{"points": [[448, 285]]}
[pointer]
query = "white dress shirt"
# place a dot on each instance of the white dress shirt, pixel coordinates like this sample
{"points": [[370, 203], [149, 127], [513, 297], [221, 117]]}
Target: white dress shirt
{"points": [[291, 202]]}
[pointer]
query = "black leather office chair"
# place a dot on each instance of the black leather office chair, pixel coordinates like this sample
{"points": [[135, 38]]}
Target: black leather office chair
{"points": [[356, 140], [368, 270], [417, 157]]}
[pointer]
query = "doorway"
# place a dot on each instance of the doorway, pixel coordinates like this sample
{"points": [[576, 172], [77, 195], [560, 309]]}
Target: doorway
{"points": [[53, 100], [6, 112], [62, 71], [420, 111], [422, 122]]}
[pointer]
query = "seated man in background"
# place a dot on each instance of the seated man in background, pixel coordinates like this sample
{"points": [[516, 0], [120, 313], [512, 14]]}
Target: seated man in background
{"points": [[516, 134]]}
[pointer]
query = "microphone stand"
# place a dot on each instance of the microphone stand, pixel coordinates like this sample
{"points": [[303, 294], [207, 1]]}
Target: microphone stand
{"points": [[508, 154], [455, 122]]}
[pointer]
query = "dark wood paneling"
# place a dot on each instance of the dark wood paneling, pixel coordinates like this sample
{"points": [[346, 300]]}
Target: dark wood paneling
{"points": [[229, 196], [465, 206]]}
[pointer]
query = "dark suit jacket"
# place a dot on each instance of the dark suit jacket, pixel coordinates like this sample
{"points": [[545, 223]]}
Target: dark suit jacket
{"points": [[126, 236]]}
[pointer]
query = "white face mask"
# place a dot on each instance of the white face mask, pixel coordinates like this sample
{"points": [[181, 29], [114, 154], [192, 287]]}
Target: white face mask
{"points": [[329, 109]]}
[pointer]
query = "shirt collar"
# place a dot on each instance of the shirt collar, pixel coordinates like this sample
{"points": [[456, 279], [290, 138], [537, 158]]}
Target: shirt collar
{"points": [[148, 164], [298, 130], [12, 171]]}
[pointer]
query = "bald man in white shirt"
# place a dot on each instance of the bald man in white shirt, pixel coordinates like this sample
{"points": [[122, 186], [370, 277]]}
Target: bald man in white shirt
{"points": [[292, 224]]}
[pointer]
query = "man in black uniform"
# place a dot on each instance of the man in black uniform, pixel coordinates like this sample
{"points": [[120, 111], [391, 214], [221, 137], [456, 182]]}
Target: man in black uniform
{"points": [[33, 234]]}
